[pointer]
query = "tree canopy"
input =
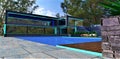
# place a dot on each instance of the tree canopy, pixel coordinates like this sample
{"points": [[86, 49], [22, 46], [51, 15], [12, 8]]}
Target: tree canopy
{"points": [[27, 6], [90, 10]]}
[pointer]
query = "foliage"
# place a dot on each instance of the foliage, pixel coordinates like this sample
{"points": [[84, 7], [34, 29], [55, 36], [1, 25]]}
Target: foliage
{"points": [[58, 15], [27, 6], [16, 5], [112, 6], [87, 9], [90, 34], [72, 7], [81, 32]]}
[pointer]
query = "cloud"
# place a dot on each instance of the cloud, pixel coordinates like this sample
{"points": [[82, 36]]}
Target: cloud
{"points": [[43, 11]]}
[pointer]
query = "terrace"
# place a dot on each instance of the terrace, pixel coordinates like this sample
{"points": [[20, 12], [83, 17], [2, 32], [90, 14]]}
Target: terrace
{"points": [[51, 35], [11, 47]]}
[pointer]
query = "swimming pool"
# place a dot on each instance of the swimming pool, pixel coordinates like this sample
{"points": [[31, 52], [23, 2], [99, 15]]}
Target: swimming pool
{"points": [[58, 41], [61, 40]]}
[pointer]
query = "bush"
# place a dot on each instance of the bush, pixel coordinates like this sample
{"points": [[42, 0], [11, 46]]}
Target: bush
{"points": [[84, 33], [92, 32]]}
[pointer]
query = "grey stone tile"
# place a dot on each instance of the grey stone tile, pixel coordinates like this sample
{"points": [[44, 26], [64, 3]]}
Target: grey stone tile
{"points": [[9, 44], [30, 56], [22, 56], [28, 43], [11, 52], [68, 54], [51, 47], [33, 49], [42, 55], [97, 58]]}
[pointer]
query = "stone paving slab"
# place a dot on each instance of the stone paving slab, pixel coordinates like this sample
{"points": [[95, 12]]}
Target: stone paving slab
{"points": [[42, 55], [34, 49], [22, 56], [11, 52], [31, 56], [8, 44], [28, 43], [68, 54]]}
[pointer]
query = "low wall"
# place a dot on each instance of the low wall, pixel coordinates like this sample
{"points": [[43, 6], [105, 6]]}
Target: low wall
{"points": [[110, 31]]}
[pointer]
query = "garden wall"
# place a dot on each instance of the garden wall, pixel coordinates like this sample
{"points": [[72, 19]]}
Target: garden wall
{"points": [[110, 31]]}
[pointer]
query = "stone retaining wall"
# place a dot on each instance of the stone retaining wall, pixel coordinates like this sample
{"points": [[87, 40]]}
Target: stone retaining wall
{"points": [[110, 31]]}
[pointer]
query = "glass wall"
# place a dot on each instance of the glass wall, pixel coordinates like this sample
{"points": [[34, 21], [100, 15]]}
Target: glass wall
{"points": [[16, 30], [73, 24], [12, 20], [70, 30], [29, 26], [13, 29]]}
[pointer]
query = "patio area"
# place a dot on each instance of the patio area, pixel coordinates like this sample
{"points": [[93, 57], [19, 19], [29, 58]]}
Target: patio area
{"points": [[11, 47]]}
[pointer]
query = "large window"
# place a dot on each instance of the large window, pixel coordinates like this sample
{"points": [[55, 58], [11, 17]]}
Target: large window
{"points": [[21, 21], [16, 30], [13, 29], [75, 22], [70, 30]]}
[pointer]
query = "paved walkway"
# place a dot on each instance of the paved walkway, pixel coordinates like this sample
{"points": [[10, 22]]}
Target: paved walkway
{"points": [[14, 48]]}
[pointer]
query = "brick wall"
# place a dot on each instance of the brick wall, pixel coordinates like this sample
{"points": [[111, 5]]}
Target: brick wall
{"points": [[110, 31]]}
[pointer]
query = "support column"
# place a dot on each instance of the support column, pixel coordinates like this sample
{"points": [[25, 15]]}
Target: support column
{"points": [[75, 29], [75, 26], [55, 30], [48, 23], [5, 28]]}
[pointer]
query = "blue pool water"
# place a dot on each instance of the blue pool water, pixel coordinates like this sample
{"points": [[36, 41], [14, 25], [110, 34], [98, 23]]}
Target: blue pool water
{"points": [[60, 40]]}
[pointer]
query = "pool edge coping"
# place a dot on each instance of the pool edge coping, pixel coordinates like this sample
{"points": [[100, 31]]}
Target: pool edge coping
{"points": [[81, 50]]}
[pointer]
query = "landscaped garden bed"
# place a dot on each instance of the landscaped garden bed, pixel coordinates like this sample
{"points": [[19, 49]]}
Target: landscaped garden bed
{"points": [[84, 34], [90, 46]]}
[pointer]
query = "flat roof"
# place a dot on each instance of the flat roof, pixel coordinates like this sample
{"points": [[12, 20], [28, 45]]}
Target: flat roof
{"points": [[76, 18], [28, 15]]}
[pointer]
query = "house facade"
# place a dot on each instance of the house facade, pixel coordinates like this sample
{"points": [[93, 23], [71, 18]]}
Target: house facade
{"points": [[17, 23]]}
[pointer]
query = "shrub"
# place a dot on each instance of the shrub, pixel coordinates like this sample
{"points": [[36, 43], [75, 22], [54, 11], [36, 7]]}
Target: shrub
{"points": [[85, 33]]}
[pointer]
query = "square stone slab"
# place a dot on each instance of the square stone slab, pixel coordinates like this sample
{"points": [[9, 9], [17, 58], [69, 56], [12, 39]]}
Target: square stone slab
{"points": [[34, 49], [30, 56], [11, 52], [68, 54]]}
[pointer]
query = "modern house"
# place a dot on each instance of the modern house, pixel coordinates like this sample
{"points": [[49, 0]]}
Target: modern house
{"points": [[17, 23]]}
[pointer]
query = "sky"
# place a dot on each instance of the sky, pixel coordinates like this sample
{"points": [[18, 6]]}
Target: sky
{"points": [[49, 7]]}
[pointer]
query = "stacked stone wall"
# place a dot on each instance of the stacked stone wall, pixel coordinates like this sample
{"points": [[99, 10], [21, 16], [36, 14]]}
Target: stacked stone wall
{"points": [[110, 31]]}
